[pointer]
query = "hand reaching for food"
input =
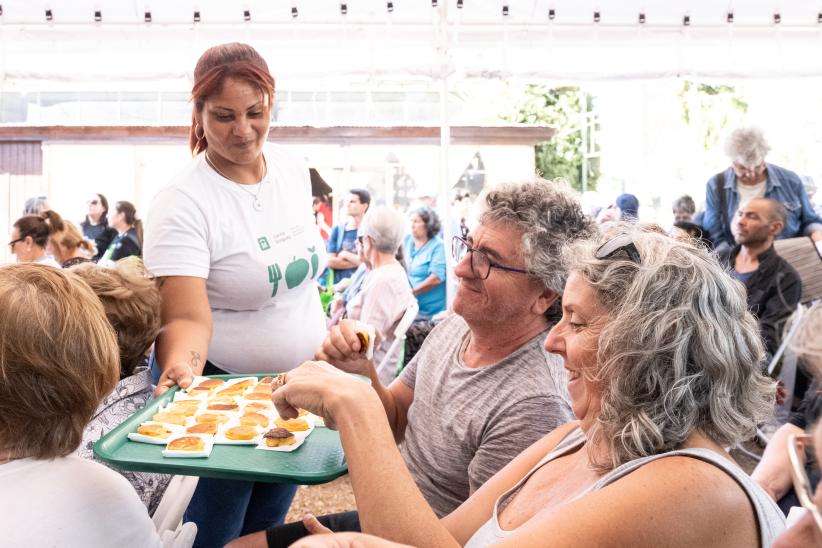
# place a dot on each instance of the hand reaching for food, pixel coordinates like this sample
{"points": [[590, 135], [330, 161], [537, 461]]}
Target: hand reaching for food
{"points": [[349, 346]]}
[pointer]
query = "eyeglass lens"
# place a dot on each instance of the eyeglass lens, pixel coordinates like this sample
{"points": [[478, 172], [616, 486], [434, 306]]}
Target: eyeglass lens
{"points": [[480, 264]]}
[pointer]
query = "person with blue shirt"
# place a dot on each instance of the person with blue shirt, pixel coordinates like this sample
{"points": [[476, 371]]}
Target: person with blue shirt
{"points": [[751, 177], [342, 243], [425, 257]]}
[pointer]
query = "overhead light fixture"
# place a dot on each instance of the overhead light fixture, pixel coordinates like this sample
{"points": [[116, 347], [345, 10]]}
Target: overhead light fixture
{"points": [[98, 16], [49, 16], [596, 17], [343, 8], [247, 15], [147, 17], [641, 18], [294, 12], [459, 4], [505, 10], [777, 18], [552, 14], [196, 16], [686, 21], [434, 3], [389, 6], [730, 17]]}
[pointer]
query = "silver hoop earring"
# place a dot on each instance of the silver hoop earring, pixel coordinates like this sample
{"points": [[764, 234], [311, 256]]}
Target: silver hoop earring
{"points": [[201, 135]]}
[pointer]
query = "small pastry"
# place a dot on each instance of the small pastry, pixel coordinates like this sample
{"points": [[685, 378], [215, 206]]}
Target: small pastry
{"points": [[170, 418], [278, 437], [186, 443], [254, 419], [258, 396], [266, 380], [211, 418], [223, 407], [185, 410], [292, 425], [231, 391], [211, 383], [248, 383], [256, 406], [241, 433], [154, 430], [203, 428]]}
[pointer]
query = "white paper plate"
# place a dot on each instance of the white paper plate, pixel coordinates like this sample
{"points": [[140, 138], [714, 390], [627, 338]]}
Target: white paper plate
{"points": [[154, 440]]}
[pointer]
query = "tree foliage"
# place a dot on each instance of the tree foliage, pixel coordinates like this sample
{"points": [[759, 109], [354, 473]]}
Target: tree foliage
{"points": [[711, 110], [562, 109]]}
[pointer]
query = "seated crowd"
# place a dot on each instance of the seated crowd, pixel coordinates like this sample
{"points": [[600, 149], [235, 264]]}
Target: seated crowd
{"points": [[584, 386]]}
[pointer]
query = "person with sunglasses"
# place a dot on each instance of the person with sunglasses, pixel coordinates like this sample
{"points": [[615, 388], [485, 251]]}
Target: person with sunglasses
{"points": [[95, 226], [30, 237], [663, 364], [482, 388]]}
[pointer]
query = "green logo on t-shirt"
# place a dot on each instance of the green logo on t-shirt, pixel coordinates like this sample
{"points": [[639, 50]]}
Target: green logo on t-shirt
{"points": [[263, 242]]}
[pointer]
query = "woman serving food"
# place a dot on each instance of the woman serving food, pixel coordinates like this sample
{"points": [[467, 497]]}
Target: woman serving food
{"points": [[660, 381], [233, 243]]}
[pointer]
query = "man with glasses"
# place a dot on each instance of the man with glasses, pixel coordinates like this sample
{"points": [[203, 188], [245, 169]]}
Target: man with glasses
{"points": [[482, 388], [751, 177]]}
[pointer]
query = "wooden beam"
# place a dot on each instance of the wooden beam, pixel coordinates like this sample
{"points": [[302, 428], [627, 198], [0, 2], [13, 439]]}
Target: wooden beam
{"points": [[348, 135]]}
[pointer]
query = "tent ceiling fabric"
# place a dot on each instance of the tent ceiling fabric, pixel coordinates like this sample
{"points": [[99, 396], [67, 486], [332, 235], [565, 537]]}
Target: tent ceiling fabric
{"points": [[371, 45]]}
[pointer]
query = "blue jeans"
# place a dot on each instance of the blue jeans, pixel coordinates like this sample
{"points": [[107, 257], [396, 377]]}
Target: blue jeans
{"points": [[226, 509]]}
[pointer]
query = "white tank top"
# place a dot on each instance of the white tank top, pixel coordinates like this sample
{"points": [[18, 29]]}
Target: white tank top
{"points": [[770, 518]]}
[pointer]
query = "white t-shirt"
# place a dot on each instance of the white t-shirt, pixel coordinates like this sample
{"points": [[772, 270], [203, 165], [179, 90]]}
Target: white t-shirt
{"points": [[748, 193], [70, 501], [259, 265]]}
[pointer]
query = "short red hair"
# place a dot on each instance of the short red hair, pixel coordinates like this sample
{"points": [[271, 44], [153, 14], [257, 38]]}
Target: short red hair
{"points": [[215, 66]]}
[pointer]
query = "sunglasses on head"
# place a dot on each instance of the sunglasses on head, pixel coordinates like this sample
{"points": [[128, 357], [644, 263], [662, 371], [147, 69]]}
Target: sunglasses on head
{"points": [[621, 243]]}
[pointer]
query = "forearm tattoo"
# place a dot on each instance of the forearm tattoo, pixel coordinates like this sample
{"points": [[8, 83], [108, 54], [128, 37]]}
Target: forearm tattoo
{"points": [[195, 360]]}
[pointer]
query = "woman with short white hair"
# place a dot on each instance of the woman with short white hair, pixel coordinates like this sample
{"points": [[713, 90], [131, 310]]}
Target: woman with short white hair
{"points": [[749, 177], [386, 293]]}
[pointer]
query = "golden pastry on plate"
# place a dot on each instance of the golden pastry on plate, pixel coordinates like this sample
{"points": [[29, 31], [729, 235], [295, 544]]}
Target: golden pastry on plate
{"points": [[154, 430], [292, 425], [211, 418], [170, 418], [203, 428], [186, 443], [278, 437], [241, 433], [254, 419]]}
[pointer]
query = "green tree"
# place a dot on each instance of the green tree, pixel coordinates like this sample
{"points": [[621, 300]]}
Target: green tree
{"points": [[711, 110], [561, 108]]}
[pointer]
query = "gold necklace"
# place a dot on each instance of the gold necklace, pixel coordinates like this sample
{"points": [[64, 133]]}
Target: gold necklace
{"points": [[257, 204]]}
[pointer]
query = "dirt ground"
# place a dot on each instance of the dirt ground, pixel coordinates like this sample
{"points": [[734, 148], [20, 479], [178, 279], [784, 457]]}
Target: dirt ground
{"points": [[322, 499]]}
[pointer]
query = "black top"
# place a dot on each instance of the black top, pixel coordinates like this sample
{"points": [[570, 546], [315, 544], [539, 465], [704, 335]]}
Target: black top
{"points": [[125, 245], [101, 234], [774, 290]]}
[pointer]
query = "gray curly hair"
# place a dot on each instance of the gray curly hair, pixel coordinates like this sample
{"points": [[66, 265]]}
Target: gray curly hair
{"points": [[678, 352], [549, 215], [747, 146]]}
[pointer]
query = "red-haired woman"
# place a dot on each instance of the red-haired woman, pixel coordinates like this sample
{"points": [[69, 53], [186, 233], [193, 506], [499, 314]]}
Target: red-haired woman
{"points": [[233, 242]]}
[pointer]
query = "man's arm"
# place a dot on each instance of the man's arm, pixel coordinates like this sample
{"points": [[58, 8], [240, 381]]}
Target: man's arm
{"points": [[340, 263], [710, 218], [342, 349]]}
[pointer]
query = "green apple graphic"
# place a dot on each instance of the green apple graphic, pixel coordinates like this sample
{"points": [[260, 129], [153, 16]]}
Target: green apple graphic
{"points": [[295, 272]]}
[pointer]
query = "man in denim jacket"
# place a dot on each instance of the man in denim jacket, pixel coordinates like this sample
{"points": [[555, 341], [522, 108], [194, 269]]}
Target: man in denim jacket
{"points": [[751, 177]]}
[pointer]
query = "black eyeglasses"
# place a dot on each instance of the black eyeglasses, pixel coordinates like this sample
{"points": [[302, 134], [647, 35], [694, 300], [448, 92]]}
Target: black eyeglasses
{"points": [[481, 265], [624, 243], [11, 243]]}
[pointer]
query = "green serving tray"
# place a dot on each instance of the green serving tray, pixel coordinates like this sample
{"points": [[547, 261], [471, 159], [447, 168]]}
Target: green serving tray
{"points": [[319, 459]]}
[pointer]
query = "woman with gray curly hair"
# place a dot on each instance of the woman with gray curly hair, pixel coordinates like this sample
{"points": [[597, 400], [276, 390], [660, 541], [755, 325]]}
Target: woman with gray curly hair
{"points": [[751, 177], [663, 365]]}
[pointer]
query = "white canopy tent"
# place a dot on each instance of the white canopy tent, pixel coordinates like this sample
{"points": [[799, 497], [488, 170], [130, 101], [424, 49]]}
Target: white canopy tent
{"points": [[59, 43]]}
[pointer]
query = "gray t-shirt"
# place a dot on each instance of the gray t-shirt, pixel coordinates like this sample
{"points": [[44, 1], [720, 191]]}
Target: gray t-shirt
{"points": [[465, 424]]}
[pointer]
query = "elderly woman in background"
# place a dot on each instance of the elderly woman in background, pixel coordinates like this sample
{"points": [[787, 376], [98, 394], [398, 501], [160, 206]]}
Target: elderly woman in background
{"points": [[29, 238], [129, 239], [424, 253], [50, 497], [36, 205], [95, 225], [132, 304], [66, 244], [660, 381], [751, 177], [385, 294]]}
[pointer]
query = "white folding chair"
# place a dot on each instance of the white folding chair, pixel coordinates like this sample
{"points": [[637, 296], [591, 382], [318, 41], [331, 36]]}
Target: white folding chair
{"points": [[388, 361], [168, 517]]}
